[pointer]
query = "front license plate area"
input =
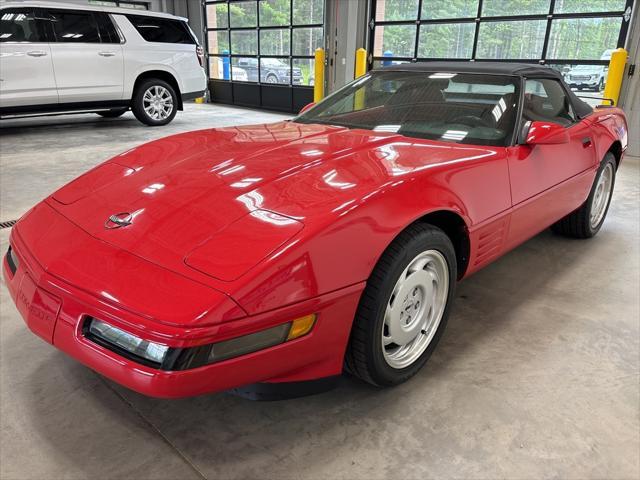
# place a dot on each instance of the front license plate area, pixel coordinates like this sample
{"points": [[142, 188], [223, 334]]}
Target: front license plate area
{"points": [[38, 308]]}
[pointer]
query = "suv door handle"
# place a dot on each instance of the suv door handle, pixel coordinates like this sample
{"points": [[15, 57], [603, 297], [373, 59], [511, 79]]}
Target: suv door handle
{"points": [[37, 53], [106, 54]]}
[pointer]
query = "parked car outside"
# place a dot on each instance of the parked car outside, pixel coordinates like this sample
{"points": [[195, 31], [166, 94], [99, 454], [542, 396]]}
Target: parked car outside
{"points": [[67, 58], [587, 77], [272, 70]]}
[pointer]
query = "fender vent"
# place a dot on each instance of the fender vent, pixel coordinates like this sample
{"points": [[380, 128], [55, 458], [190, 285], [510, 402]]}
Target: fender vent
{"points": [[8, 224]]}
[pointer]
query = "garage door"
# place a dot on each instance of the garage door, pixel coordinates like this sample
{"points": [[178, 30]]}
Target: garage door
{"points": [[261, 51], [574, 36]]}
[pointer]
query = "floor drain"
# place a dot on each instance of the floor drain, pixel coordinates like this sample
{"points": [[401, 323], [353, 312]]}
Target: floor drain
{"points": [[8, 224]]}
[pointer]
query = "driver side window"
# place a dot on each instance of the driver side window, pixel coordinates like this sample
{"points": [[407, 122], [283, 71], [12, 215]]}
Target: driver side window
{"points": [[546, 101]]}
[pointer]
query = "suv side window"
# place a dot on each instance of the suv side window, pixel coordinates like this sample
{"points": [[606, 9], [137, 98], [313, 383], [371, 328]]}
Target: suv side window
{"points": [[545, 100], [163, 30], [71, 26], [108, 32], [20, 25]]}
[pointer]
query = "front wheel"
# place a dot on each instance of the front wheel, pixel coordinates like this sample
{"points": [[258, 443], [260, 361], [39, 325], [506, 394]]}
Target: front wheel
{"points": [[404, 307], [587, 220], [154, 102]]}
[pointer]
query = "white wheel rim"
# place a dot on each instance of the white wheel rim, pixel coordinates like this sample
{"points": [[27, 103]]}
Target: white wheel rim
{"points": [[601, 196], [157, 102], [415, 308]]}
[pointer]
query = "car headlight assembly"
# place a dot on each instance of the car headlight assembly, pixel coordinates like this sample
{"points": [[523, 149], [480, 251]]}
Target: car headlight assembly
{"points": [[163, 357]]}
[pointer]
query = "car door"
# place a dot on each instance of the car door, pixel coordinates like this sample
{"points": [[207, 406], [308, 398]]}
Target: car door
{"points": [[88, 67], [26, 69], [549, 181]]}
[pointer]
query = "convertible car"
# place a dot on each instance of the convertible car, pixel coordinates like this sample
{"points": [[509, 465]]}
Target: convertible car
{"points": [[285, 254]]}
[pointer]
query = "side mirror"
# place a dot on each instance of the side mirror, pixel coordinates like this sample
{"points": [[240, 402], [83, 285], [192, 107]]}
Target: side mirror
{"points": [[546, 133], [307, 107]]}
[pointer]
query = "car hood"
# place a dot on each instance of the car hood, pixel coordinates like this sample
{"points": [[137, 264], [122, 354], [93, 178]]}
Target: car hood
{"points": [[182, 190]]}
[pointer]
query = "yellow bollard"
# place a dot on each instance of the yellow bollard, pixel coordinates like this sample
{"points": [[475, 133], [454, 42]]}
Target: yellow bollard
{"points": [[200, 100], [361, 69], [361, 62], [318, 85], [614, 77]]}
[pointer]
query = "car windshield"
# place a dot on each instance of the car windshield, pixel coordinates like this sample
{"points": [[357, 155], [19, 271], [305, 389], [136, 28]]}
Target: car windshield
{"points": [[460, 108], [272, 62]]}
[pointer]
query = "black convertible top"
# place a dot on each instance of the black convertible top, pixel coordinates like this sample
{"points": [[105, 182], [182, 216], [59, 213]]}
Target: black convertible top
{"points": [[527, 70]]}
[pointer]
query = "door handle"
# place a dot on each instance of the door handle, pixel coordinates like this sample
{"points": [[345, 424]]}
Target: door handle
{"points": [[37, 53], [586, 142], [106, 54]]}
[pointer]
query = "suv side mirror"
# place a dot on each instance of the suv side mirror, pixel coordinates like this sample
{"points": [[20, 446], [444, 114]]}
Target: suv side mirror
{"points": [[546, 133], [307, 107]]}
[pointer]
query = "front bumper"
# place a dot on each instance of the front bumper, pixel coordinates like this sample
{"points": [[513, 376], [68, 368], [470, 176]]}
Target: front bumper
{"points": [[56, 310]]}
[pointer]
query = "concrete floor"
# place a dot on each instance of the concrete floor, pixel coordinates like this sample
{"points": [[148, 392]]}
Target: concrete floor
{"points": [[536, 376]]}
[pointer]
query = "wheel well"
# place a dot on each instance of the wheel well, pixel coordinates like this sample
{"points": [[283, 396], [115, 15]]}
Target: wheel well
{"points": [[453, 225], [616, 149], [162, 75]]}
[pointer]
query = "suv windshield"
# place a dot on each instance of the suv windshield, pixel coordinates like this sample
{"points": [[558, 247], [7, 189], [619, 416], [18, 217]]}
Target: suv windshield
{"points": [[459, 108]]}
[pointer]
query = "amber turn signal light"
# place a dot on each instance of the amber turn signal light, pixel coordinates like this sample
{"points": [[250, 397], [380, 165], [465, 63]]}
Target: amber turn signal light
{"points": [[301, 326]]}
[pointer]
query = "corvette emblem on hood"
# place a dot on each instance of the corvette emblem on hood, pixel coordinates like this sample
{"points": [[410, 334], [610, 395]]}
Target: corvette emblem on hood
{"points": [[118, 220]]}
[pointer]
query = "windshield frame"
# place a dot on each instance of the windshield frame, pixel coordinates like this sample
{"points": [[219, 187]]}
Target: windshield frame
{"points": [[509, 140]]}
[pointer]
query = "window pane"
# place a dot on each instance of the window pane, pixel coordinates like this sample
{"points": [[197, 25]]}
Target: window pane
{"points": [[244, 69], [218, 41], [396, 10], [77, 27], [274, 12], [276, 70], [494, 8], [582, 6], [590, 79], [306, 40], [460, 44], [243, 14], [394, 41], [135, 6], [19, 25], [511, 40], [306, 68], [583, 38], [217, 16], [154, 29], [244, 42], [307, 12], [216, 68], [386, 63], [447, 9], [275, 42], [545, 100]]}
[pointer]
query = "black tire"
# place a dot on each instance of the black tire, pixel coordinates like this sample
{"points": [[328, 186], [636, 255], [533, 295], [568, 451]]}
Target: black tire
{"points": [[578, 223], [113, 113], [137, 104], [600, 85], [365, 358], [272, 78]]}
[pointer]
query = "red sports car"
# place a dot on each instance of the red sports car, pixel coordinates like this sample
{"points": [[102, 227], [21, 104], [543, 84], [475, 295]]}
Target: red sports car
{"points": [[287, 253]]}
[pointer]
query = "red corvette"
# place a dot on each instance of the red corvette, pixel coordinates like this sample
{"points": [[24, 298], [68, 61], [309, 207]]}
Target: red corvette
{"points": [[290, 252]]}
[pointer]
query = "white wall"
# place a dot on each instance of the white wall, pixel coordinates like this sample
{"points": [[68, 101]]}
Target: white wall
{"points": [[630, 95]]}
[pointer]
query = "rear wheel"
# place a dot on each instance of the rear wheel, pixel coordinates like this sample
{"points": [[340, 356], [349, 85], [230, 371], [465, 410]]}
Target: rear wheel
{"points": [[403, 310], [586, 221], [154, 102], [113, 113]]}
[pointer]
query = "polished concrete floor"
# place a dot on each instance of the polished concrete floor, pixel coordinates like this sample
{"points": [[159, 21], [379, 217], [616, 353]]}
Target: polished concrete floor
{"points": [[537, 375]]}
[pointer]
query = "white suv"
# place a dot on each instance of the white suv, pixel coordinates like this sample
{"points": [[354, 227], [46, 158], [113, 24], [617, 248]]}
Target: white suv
{"points": [[68, 58]]}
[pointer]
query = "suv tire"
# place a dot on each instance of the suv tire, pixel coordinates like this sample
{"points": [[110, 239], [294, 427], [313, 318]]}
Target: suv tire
{"points": [[154, 102]]}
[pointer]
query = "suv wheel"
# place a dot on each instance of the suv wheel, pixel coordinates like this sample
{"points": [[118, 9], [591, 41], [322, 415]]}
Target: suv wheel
{"points": [[154, 102], [271, 78]]}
